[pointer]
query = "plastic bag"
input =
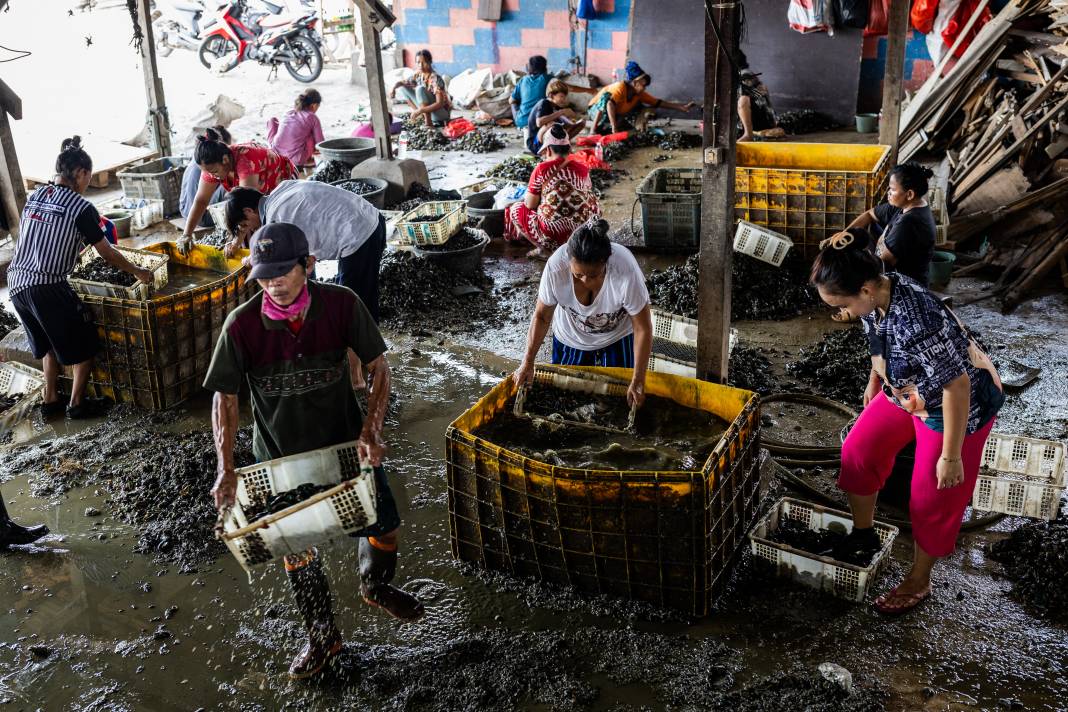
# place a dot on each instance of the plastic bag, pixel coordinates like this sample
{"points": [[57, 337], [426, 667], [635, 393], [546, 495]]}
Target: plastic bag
{"points": [[960, 19], [878, 18], [851, 13], [496, 103], [468, 84], [595, 140], [922, 15], [588, 158], [457, 128], [508, 195]]}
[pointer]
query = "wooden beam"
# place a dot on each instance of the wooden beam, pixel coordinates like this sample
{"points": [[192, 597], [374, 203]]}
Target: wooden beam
{"points": [[158, 119], [12, 189], [10, 101], [890, 123], [376, 87], [717, 199]]}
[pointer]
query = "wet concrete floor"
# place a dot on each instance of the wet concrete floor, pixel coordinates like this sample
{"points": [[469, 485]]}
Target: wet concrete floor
{"points": [[81, 615]]}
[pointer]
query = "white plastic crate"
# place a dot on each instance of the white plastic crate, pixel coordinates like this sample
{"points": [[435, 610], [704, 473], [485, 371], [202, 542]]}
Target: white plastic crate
{"points": [[1021, 476], [822, 572], [675, 344], [146, 259], [672, 327], [481, 186], [217, 211], [763, 244], [23, 381], [336, 512]]}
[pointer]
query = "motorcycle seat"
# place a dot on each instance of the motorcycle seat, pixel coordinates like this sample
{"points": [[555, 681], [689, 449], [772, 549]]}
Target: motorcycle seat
{"points": [[270, 21]]}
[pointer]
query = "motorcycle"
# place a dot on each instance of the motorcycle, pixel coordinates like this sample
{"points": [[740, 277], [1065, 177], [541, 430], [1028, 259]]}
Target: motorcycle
{"points": [[176, 25], [232, 37]]}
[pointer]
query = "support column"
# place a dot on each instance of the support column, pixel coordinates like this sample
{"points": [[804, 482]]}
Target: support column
{"points": [[717, 199], [158, 120], [376, 87], [897, 37], [12, 189]]}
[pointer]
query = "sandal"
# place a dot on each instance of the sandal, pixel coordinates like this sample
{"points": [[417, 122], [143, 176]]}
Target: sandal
{"points": [[910, 601]]}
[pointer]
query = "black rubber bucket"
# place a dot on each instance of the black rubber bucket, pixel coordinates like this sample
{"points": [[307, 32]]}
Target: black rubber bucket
{"points": [[480, 205]]}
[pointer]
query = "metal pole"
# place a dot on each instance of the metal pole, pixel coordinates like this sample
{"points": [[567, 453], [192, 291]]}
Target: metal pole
{"points": [[717, 199]]}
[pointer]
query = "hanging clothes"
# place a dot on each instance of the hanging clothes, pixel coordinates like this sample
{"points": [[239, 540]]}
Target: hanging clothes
{"points": [[878, 18], [807, 16], [936, 45], [923, 15], [960, 19]]}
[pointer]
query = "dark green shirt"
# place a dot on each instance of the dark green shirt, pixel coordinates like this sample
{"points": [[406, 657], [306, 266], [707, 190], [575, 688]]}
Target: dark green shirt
{"points": [[302, 396]]}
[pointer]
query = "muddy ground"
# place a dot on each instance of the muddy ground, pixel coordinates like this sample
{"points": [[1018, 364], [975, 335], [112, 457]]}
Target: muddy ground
{"points": [[96, 618]]}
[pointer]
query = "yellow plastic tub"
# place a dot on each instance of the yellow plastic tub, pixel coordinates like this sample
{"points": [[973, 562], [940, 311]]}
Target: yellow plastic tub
{"points": [[667, 538], [155, 353], [808, 191]]}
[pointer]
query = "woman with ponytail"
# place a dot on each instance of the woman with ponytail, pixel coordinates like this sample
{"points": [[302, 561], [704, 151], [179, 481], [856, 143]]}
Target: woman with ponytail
{"points": [[299, 131], [593, 295], [930, 383], [904, 225], [248, 165], [57, 223]]}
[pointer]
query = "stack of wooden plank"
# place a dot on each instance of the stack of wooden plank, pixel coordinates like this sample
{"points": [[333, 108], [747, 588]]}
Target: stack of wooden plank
{"points": [[999, 115]]}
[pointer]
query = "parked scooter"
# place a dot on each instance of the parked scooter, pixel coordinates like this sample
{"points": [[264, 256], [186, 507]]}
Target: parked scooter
{"points": [[232, 36], [177, 25]]}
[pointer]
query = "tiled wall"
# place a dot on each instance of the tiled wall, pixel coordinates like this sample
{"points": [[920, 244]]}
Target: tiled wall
{"points": [[918, 67], [458, 40]]}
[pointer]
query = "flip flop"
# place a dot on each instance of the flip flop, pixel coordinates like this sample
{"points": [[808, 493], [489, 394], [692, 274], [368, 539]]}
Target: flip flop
{"points": [[911, 601]]}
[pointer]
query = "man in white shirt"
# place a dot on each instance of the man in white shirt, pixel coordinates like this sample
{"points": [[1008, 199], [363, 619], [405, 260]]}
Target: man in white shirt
{"points": [[339, 225]]}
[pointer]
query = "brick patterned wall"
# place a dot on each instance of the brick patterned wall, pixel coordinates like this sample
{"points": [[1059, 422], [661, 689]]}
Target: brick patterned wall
{"points": [[458, 40], [918, 67]]}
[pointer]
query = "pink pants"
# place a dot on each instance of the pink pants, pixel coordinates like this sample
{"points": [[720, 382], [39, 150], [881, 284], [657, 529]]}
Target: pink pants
{"points": [[868, 453]]}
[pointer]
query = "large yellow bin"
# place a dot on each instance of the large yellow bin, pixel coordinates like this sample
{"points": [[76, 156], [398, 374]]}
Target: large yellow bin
{"points": [[667, 538], [808, 191], [155, 353]]}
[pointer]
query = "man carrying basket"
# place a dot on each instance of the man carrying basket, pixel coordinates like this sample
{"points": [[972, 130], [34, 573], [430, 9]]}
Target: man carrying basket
{"points": [[290, 343]]}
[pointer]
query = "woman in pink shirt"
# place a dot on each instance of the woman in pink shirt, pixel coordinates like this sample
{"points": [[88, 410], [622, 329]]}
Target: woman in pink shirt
{"points": [[296, 136]]}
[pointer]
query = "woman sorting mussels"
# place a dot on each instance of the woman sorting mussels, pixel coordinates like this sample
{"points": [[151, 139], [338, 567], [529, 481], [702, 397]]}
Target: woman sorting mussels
{"points": [[244, 164], [593, 294], [930, 383], [57, 223]]}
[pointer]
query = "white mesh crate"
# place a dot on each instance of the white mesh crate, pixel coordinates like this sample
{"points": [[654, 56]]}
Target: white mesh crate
{"points": [[1021, 476], [24, 383], [336, 512], [822, 572], [763, 244], [146, 259], [675, 344]]}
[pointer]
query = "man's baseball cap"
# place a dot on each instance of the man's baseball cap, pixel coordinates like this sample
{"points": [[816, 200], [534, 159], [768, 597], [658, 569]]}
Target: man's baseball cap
{"points": [[275, 248]]}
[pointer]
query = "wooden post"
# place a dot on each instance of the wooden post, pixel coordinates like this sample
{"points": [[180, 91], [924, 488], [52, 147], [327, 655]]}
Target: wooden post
{"points": [[717, 199], [158, 120], [890, 124], [372, 15], [12, 189]]}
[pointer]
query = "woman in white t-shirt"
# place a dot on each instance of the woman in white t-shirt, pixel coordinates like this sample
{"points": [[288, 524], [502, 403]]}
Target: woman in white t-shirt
{"points": [[593, 294]]}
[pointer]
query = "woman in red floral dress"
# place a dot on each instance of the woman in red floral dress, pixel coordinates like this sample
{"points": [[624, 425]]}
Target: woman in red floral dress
{"points": [[246, 164], [559, 199]]}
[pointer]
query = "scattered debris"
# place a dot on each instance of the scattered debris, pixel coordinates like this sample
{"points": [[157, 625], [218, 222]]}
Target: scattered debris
{"points": [[218, 238], [424, 138], [419, 194], [462, 240], [357, 186], [8, 321], [820, 542], [804, 121], [477, 141], [517, 168], [284, 500], [750, 369]]}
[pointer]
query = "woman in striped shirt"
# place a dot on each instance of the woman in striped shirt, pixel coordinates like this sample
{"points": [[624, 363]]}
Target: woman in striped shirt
{"points": [[248, 165], [56, 224]]}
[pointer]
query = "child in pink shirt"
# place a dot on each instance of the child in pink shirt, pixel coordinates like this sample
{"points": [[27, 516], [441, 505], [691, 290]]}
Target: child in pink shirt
{"points": [[296, 136]]}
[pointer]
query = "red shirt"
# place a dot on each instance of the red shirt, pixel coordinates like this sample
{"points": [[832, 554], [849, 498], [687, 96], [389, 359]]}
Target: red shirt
{"points": [[251, 159]]}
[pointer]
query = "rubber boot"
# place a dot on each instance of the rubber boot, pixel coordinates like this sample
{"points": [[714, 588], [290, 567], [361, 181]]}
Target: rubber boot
{"points": [[311, 590], [12, 534], [378, 564]]}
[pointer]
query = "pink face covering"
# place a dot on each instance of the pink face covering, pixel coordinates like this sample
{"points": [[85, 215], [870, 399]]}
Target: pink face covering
{"points": [[274, 311]]}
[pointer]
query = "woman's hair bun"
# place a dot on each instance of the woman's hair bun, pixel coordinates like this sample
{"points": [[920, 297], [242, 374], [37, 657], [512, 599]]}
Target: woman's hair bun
{"points": [[74, 143]]}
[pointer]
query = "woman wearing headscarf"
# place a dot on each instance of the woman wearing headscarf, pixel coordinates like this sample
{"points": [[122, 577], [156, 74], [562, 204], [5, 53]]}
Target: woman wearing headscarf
{"points": [[559, 198], [615, 105]]}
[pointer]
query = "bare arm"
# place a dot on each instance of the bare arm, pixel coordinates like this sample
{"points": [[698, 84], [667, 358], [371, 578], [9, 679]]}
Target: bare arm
{"points": [[677, 106], [582, 90], [251, 181], [531, 200], [862, 221], [613, 117], [956, 397], [115, 258], [224, 423], [539, 327], [643, 345], [200, 204], [371, 445], [566, 112]]}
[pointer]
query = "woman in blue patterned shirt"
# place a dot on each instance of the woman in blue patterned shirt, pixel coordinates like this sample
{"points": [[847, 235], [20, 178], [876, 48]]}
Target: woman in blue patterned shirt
{"points": [[930, 383]]}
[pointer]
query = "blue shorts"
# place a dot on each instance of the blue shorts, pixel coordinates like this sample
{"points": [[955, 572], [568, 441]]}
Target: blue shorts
{"points": [[620, 354]]}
